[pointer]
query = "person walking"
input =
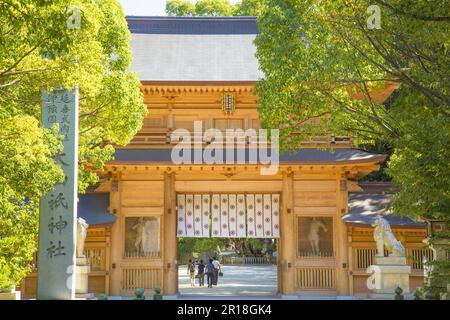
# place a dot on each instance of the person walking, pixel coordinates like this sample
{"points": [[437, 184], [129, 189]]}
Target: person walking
{"points": [[217, 270], [210, 273], [201, 274], [191, 272]]}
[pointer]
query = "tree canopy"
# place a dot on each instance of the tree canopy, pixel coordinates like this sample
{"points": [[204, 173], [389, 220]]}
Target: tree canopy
{"points": [[328, 59], [213, 8], [44, 45]]}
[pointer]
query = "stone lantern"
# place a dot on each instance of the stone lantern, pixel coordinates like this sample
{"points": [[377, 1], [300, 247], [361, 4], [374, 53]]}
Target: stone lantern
{"points": [[438, 238], [439, 241]]}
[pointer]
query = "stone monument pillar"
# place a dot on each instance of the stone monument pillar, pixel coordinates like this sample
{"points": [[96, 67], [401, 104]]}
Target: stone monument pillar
{"points": [[82, 268], [58, 208], [387, 273]]}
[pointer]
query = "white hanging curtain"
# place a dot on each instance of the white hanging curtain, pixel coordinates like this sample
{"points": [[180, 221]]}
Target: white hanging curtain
{"points": [[232, 215], [193, 215], [263, 215], [240, 216], [181, 215], [215, 216]]}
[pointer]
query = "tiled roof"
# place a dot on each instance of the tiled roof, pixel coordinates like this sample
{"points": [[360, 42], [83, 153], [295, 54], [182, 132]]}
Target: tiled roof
{"points": [[375, 200], [192, 25], [306, 155], [194, 48], [94, 209]]}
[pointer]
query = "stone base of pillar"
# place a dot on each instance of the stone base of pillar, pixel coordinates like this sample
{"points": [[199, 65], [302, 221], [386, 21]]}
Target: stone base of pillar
{"points": [[388, 296], [82, 270], [171, 297], [289, 297], [388, 273], [11, 295], [84, 296]]}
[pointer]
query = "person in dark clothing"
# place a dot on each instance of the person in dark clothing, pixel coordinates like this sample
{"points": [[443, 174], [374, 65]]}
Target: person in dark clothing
{"points": [[201, 273], [210, 273]]}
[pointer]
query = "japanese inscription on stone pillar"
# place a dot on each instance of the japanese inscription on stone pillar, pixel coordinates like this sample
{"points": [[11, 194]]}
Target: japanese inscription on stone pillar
{"points": [[58, 209]]}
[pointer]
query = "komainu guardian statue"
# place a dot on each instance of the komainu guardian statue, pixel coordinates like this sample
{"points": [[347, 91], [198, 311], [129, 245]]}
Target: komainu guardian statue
{"points": [[82, 227], [387, 274], [384, 237]]}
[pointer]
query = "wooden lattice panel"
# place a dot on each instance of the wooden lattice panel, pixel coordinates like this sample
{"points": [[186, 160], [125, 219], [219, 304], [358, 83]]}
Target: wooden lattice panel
{"points": [[147, 278], [316, 278]]}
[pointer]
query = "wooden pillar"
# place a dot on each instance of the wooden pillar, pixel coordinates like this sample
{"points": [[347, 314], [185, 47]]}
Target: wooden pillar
{"points": [[116, 238], [279, 279], [287, 247], [170, 242], [170, 104], [342, 270], [350, 261], [170, 120], [107, 258]]}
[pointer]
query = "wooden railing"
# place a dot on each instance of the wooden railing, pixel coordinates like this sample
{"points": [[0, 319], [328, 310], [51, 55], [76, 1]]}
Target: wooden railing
{"points": [[153, 137], [363, 257], [308, 254], [96, 257], [415, 256], [162, 136], [316, 278], [147, 278], [142, 254], [331, 140], [248, 260]]}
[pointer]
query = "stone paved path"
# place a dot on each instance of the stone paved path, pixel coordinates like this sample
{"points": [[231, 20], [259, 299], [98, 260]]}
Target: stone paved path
{"points": [[248, 281]]}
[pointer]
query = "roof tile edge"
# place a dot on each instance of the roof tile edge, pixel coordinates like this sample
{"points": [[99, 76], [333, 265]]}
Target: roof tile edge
{"points": [[192, 25]]}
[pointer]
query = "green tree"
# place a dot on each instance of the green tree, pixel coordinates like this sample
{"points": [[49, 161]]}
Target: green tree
{"points": [[214, 8], [419, 164], [329, 58], [180, 8], [189, 248], [318, 56], [27, 171], [47, 44], [249, 7]]}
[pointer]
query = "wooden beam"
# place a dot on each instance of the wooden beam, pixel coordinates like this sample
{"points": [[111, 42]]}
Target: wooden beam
{"points": [[222, 186]]}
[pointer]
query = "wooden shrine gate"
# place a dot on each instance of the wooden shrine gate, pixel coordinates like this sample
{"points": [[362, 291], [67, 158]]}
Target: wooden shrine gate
{"points": [[228, 215]]}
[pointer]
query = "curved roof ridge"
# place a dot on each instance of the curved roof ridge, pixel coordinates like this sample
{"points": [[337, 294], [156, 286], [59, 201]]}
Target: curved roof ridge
{"points": [[187, 25], [191, 18]]}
